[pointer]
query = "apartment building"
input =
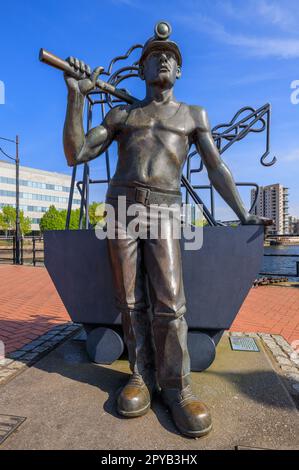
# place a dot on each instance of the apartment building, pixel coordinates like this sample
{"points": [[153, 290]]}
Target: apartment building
{"points": [[293, 225], [273, 203], [39, 190]]}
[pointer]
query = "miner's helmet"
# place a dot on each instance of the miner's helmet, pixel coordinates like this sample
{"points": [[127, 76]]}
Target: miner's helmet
{"points": [[161, 42]]}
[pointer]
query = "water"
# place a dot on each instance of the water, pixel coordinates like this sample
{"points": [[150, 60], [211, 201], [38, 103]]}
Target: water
{"points": [[280, 264]]}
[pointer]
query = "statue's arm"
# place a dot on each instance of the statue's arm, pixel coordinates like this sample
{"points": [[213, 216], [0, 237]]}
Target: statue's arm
{"points": [[78, 146], [218, 172]]}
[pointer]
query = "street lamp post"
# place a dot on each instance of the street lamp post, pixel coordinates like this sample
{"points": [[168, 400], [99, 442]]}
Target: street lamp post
{"points": [[18, 231], [16, 159]]}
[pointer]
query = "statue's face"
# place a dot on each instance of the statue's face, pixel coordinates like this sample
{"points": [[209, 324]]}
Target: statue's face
{"points": [[160, 68]]}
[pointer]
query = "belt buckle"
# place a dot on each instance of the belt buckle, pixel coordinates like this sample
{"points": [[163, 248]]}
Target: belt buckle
{"points": [[142, 195]]}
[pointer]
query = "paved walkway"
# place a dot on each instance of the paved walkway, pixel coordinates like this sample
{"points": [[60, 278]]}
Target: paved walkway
{"points": [[30, 306], [69, 403], [270, 309]]}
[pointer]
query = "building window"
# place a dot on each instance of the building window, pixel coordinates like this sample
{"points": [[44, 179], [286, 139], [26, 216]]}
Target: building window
{"points": [[3, 192], [35, 184], [5, 180], [38, 197]]}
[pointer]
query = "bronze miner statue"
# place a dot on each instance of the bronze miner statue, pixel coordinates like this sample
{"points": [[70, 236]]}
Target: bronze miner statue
{"points": [[153, 136]]}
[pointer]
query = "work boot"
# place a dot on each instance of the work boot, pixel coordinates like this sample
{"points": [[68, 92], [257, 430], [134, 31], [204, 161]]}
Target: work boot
{"points": [[135, 398], [190, 415]]}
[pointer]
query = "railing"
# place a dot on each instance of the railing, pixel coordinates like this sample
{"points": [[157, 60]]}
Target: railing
{"points": [[32, 250], [7, 250]]}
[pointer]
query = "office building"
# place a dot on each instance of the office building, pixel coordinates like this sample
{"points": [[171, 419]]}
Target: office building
{"points": [[39, 190]]}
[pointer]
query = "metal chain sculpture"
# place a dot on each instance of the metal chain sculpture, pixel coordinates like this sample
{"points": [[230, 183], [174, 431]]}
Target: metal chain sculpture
{"points": [[146, 274]]}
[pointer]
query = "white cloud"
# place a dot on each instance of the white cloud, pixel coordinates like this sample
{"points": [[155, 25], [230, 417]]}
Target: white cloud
{"points": [[264, 46], [261, 46], [268, 12], [275, 13]]}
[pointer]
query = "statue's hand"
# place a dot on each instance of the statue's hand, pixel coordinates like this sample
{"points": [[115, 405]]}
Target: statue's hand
{"points": [[251, 219], [85, 80]]}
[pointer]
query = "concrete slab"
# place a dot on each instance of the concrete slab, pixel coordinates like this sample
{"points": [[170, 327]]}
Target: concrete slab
{"points": [[70, 404]]}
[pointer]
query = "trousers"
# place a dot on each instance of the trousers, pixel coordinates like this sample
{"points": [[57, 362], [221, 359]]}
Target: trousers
{"points": [[147, 270]]}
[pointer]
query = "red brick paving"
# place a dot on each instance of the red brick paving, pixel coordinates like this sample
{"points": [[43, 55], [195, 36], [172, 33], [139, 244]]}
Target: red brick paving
{"points": [[30, 306], [270, 309]]}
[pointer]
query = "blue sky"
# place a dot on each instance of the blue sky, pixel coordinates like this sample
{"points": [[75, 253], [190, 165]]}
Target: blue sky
{"points": [[235, 53]]}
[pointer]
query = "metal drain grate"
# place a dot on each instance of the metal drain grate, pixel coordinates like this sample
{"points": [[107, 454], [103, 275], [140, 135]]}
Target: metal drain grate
{"points": [[243, 343], [8, 424]]}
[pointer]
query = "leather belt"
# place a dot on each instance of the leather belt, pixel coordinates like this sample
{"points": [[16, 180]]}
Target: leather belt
{"points": [[143, 195]]}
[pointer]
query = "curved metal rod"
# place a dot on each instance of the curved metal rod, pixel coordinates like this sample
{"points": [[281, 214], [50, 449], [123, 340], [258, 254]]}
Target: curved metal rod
{"points": [[242, 124], [194, 170], [258, 116], [124, 77], [246, 129], [118, 78], [6, 154], [117, 74], [232, 123], [192, 154], [210, 187], [114, 76], [210, 219], [264, 156], [257, 192], [123, 57], [236, 131], [199, 169]]}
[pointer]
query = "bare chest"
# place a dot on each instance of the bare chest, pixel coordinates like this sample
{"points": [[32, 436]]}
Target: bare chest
{"points": [[156, 122]]}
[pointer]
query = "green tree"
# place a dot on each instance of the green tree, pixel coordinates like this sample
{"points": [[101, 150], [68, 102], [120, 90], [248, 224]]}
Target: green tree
{"points": [[53, 219], [96, 213], [8, 220], [74, 219], [25, 224], [3, 223]]}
